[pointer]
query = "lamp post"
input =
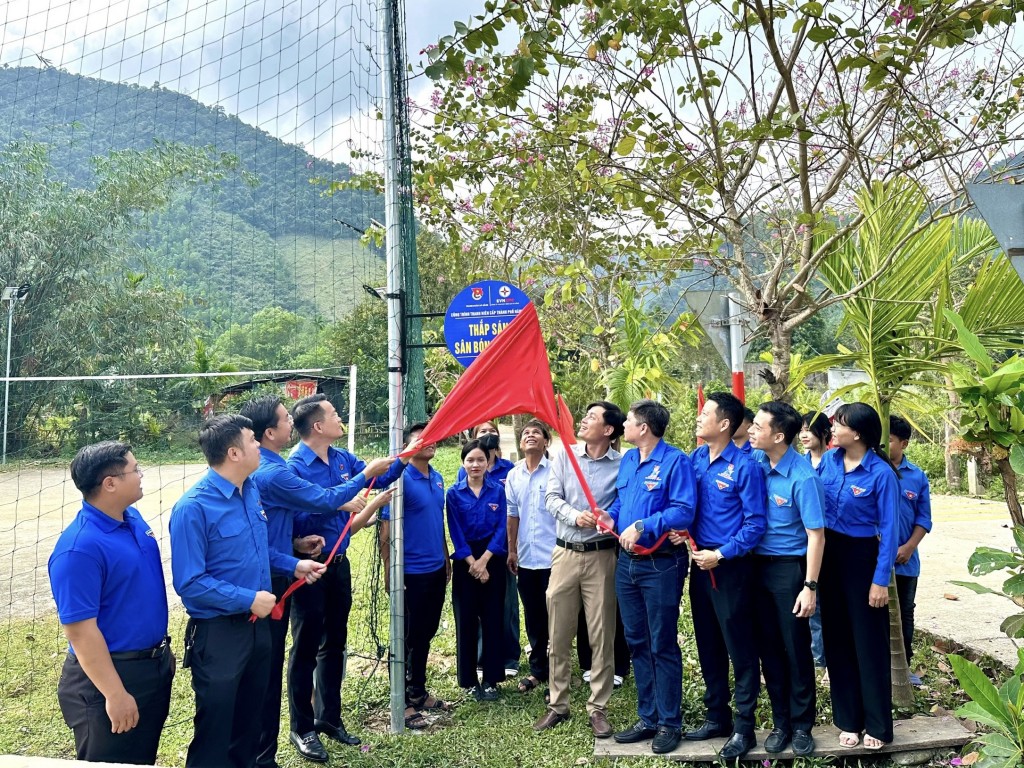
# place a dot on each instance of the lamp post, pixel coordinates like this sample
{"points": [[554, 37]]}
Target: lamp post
{"points": [[12, 295]]}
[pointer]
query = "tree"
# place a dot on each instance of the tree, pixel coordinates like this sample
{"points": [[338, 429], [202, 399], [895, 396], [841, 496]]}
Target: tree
{"points": [[274, 339], [620, 137], [90, 311]]}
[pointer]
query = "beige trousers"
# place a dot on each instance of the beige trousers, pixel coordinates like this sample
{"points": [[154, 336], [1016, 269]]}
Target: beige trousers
{"points": [[587, 579]]}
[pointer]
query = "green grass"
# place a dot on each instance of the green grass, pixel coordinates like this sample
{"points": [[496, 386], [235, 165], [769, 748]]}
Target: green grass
{"points": [[332, 270], [475, 735]]}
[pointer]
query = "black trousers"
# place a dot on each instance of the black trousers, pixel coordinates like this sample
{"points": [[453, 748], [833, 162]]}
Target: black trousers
{"points": [[584, 653], [533, 588], [271, 718], [230, 669], [784, 642], [906, 591], [856, 637], [424, 600], [479, 608], [722, 620], [84, 710], [316, 664]]}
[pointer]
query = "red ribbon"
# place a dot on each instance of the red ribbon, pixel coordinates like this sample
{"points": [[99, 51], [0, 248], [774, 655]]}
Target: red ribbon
{"points": [[278, 610]]}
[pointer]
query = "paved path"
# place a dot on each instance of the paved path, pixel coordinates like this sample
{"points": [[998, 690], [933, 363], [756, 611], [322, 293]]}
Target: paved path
{"points": [[959, 526]]}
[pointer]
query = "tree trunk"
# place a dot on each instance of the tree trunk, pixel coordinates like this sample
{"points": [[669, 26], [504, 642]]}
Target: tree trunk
{"points": [[1010, 489], [902, 690], [782, 348], [953, 479]]}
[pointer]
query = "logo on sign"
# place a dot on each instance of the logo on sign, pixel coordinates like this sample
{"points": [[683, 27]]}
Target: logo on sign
{"points": [[478, 293], [504, 291]]}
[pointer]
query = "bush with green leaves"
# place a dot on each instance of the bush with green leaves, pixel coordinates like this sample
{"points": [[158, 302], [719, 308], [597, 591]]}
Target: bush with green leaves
{"points": [[997, 708]]}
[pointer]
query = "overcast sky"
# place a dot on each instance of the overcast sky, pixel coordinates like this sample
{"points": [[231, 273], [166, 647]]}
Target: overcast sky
{"points": [[300, 69]]}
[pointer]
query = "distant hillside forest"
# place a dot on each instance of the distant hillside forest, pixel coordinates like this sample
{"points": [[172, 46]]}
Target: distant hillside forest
{"points": [[264, 236]]}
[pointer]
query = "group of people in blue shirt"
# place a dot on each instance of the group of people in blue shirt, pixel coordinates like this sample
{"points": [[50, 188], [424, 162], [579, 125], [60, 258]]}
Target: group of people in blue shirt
{"points": [[758, 528]]}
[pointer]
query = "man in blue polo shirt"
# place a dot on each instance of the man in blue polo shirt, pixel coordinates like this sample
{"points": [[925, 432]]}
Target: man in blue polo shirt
{"points": [[284, 494], [427, 573], [316, 664], [656, 494], [915, 520], [786, 566], [108, 583], [729, 524], [221, 564]]}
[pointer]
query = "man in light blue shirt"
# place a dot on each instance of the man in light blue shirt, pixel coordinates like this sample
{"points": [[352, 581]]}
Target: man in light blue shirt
{"points": [[786, 565], [531, 538]]}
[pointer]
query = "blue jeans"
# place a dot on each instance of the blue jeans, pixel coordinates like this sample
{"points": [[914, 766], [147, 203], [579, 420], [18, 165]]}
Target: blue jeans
{"points": [[649, 590]]}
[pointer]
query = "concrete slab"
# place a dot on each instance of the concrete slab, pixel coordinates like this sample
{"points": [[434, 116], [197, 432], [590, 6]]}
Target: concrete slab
{"points": [[915, 734]]}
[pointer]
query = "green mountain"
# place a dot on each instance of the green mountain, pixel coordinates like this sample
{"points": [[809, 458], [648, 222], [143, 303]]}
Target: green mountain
{"points": [[233, 248]]}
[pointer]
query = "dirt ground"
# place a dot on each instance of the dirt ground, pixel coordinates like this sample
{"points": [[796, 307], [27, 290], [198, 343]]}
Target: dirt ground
{"points": [[36, 504]]}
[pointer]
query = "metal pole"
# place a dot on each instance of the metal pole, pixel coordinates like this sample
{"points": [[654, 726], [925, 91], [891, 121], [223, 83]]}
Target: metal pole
{"points": [[736, 348], [7, 376], [393, 244], [352, 409]]}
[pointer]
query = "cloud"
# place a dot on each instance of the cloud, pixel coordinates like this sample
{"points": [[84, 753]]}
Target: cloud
{"points": [[303, 70]]}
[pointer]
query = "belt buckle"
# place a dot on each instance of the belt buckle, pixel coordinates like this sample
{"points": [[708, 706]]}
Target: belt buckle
{"points": [[578, 546]]}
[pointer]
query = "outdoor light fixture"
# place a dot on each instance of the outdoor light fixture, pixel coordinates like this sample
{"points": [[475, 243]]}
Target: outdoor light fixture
{"points": [[12, 295], [377, 293]]}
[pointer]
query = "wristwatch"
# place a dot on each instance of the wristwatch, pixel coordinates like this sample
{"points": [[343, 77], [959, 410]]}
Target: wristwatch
{"points": [[639, 525], [719, 555], [811, 585]]}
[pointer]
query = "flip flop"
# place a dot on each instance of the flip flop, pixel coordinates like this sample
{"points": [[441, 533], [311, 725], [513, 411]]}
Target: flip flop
{"points": [[877, 745], [849, 739], [430, 703], [528, 683]]}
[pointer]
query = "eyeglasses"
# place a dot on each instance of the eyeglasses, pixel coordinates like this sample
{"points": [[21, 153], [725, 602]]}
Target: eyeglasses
{"points": [[136, 471]]}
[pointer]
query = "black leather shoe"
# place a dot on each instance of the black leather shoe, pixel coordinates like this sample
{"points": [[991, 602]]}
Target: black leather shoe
{"points": [[336, 732], [803, 742], [666, 740], [777, 741], [709, 729], [736, 747], [309, 746], [636, 732]]}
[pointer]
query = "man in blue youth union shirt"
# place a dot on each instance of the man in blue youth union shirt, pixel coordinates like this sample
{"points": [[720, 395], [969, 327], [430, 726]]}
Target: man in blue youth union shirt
{"points": [[108, 583], [729, 524], [221, 564], [786, 567], [915, 520], [656, 494], [284, 495]]}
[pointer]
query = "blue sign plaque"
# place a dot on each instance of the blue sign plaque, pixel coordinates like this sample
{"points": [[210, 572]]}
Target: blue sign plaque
{"points": [[477, 314]]}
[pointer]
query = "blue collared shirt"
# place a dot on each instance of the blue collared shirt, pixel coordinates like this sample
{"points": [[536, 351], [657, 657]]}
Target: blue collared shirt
{"points": [[915, 509], [525, 492], [796, 503], [342, 467], [110, 571], [284, 494], [863, 502], [472, 518], [220, 556], [659, 490], [731, 514], [423, 520]]}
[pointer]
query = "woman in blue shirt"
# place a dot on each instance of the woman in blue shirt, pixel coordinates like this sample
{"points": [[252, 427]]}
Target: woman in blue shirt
{"points": [[862, 501], [477, 522]]}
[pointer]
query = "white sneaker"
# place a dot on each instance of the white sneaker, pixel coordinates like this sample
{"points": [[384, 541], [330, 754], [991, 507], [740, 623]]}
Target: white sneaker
{"points": [[586, 676], [617, 681]]}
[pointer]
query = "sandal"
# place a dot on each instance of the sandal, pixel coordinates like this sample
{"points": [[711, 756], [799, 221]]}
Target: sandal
{"points": [[428, 703], [528, 683], [849, 739], [416, 721], [877, 743]]}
